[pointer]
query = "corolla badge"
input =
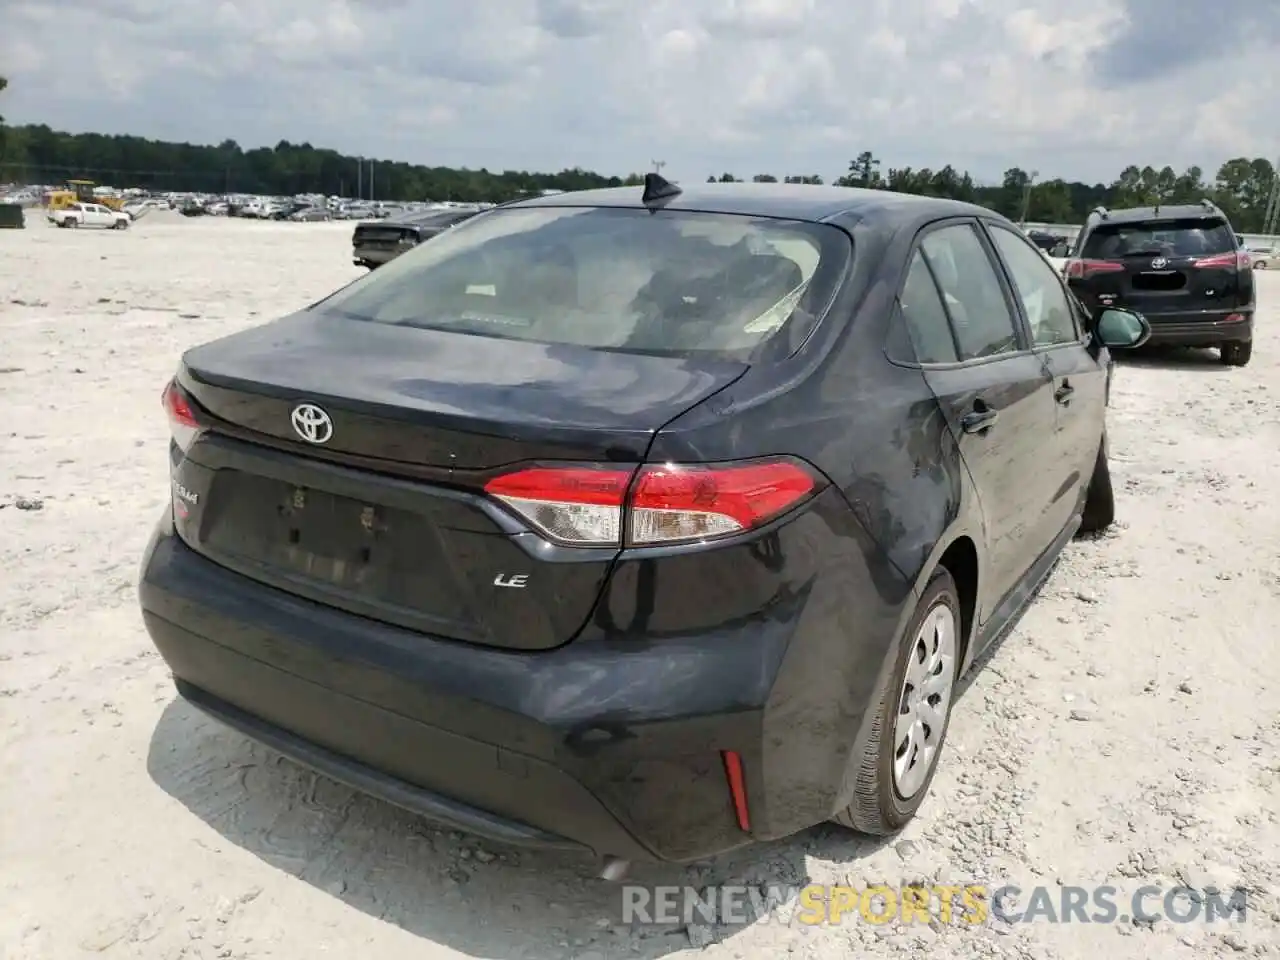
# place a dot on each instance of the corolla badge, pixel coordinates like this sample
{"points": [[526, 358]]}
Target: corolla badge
{"points": [[1159, 263], [311, 423]]}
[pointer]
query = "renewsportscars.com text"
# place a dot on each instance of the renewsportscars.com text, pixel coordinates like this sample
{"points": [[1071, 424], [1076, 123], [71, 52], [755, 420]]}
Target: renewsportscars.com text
{"points": [[969, 904]]}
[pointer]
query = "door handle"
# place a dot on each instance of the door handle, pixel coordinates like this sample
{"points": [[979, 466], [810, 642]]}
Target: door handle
{"points": [[1064, 393], [980, 421]]}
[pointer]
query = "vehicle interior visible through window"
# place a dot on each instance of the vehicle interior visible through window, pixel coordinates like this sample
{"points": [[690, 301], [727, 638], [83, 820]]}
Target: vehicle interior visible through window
{"points": [[686, 283]]}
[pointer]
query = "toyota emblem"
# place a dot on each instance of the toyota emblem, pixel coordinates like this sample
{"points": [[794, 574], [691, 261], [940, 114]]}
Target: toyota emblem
{"points": [[1159, 263], [311, 423]]}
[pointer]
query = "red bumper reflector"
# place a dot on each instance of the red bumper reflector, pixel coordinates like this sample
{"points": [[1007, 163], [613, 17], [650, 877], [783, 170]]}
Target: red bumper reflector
{"points": [[737, 788]]}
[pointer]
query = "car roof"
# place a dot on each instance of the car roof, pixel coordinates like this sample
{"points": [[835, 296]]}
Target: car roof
{"points": [[1186, 211], [789, 201]]}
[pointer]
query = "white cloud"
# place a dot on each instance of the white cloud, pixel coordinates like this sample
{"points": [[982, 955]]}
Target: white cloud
{"points": [[749, 86]]}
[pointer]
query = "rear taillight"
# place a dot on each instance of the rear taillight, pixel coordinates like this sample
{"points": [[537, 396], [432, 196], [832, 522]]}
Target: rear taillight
{"points": [[183, 426], [1080, 269], [1240, 260], [600, 506], [571, 504]]}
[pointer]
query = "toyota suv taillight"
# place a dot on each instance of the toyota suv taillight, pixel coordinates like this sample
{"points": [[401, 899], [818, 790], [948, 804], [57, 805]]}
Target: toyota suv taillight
{"points": [[606, 505], [1082, 269], [1240, 260]]}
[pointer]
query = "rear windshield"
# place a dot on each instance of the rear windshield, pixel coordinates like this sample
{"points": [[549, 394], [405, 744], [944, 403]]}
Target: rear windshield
{"points": [[1168, 238], [668, 283]]}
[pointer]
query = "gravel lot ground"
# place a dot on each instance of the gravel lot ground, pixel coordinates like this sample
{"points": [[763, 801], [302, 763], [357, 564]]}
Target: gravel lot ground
{"points": [[1128, 732]]}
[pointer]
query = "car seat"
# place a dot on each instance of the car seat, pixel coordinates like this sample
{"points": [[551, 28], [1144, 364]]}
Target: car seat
{"points": [[680, 308]]}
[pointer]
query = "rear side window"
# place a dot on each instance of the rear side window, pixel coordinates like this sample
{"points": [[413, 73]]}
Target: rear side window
{"points": [[1196, 237], [925, 317], [983, 322], [670, 283]]}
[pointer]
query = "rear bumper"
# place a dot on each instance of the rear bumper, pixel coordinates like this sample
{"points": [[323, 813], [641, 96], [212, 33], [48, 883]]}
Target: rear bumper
{"points": [[433, 806], [607, 746], [1200, 329]]}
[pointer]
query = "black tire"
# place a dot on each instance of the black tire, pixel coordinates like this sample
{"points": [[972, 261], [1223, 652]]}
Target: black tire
{"points": [[877, 807], [122, 225], [1237, 353], [1100, 500]]}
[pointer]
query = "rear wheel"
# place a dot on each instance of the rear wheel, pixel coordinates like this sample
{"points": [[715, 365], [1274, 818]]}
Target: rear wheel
{"points": [[1260, 265], [1100, 501], [911, 717], [1236, 353]]}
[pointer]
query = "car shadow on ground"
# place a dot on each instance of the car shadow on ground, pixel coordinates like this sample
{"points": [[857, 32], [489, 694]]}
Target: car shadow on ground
{"points": [[1172, 358], [478, 898]]}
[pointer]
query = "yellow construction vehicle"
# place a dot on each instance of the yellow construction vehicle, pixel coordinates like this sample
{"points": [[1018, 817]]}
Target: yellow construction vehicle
{"points": [[81, 191]]}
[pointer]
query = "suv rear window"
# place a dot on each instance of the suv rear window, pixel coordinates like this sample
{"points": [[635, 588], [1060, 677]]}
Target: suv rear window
{"points": [[1162, 238], [669, 283]]}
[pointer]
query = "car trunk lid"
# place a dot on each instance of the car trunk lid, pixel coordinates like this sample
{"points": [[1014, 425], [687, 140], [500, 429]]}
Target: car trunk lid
{"points": [[385, 516], [1160, 284]]}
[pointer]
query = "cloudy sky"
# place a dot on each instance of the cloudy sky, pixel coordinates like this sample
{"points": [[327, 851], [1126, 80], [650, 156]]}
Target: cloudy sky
{"points": [[1073, 88]]}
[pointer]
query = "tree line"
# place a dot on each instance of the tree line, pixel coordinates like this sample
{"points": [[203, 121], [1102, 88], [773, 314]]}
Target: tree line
{"points": [[37, 154], [1242, 187]]}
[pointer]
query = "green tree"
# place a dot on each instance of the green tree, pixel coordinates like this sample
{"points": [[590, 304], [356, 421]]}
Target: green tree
{"points": [[1188, 186], [863, 172], [1242, 189]]}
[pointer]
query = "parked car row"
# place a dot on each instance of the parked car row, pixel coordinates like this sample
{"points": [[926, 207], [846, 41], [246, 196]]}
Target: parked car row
{"points": [[302, 207]]}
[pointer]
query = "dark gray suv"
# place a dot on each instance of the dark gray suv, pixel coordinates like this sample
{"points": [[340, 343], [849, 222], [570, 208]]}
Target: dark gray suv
{"points": [[1182, 267]]}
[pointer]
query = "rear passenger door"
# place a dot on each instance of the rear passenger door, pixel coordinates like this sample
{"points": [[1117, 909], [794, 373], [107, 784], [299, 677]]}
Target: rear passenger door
{"points": [[1079, 380], [994, 391]]}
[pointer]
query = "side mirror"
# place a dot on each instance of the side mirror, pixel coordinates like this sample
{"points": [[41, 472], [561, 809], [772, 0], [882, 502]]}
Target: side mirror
{"points": [[1122, 328]]}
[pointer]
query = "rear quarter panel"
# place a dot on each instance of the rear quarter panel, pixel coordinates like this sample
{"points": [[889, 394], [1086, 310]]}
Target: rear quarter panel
{"points": [[874, 429]]}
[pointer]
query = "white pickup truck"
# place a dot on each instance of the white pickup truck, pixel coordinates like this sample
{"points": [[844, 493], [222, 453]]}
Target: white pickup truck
{"points": [[90, 215]]}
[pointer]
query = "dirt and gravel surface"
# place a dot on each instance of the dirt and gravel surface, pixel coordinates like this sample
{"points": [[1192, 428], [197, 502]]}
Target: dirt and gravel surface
{"points": [[1127, 733]]}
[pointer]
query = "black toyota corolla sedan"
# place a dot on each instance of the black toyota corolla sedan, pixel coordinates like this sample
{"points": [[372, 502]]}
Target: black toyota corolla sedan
{"points": [[640, 522]]}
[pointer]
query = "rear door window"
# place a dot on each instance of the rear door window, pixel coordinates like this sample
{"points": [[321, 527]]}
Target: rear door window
{"points": [[983, 321], [1193, 237]]}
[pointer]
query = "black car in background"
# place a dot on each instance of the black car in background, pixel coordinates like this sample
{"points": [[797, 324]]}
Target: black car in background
{"points": [[380, 241], [1051, 243], [1182, 267], [646, 524]]}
